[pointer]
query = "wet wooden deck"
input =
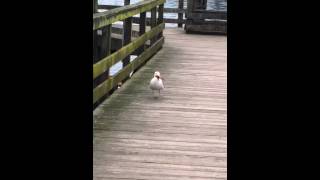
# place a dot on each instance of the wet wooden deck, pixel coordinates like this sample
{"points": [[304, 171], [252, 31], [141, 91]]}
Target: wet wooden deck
{"points": [[180, 135]]}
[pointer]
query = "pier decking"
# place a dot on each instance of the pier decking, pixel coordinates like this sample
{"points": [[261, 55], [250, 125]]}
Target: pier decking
{"points": [[180, 135]]}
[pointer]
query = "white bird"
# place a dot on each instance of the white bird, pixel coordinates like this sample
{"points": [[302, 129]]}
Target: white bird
{"points": [[156, 82]]}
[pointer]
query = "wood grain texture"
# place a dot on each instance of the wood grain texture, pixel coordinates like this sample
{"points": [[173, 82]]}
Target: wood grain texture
{"points": [[180, 135]]}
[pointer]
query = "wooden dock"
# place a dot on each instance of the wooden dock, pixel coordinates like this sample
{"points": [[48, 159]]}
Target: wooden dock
{"points": [[180, 135]]}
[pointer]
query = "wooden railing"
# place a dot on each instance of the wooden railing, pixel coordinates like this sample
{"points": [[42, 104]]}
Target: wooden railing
{"points": [[103, 60], [199, 19], [180, 10]]}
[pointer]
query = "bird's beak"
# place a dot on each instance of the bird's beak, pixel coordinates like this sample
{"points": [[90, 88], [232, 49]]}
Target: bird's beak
{"points": [[157, 77]]}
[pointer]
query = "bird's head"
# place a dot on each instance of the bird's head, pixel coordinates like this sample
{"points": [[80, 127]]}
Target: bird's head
{"points": [[157, 74]]}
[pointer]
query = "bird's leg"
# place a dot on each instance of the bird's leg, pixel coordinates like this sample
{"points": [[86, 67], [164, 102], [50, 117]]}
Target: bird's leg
{"points": [[152, 92], [159, 92]]}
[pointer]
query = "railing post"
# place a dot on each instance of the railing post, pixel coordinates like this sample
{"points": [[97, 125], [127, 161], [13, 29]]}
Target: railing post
{"points": [[160, 18], [180, 15], [105, 46], [200, 4], [127, 26], [95, 48], [105, 41], [95, 36], [103, 50], [95, 6], [189, 8], [142, 29], [153, 23]]}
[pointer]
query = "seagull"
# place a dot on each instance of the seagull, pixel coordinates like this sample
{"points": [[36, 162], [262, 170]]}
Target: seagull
{"points": [[156, 82]]}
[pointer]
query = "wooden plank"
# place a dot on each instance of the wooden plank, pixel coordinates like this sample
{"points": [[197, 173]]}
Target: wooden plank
{"points": [[174, 10], [118, 29], [182, 121], [174, 21], [104, 6], [135, 172], [166, 20], [207, 27], [164, 146], [164, 129], [205, 14], [163, 166], [106, 86], [107, 62], [166, 10], [102, 89], [108, 17], [181, 140], [154, 151], [161, 159]]}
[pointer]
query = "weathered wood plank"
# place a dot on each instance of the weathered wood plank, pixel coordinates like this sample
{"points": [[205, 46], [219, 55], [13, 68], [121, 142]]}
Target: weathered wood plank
{"points": [[208, 14], [216, 26], [144, 142], [102, 89], [147, 176], [167, 146], [136, 172], [181, 140], [166, 10], [108, 17], [174, 10], [104, 6], [167, 129], [164, 166], [166, 20], [153, 151], [173, 159]]}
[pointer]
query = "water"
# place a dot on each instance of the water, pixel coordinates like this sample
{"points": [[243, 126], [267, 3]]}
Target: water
{"points": [[220, 5], [212, 4]]}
